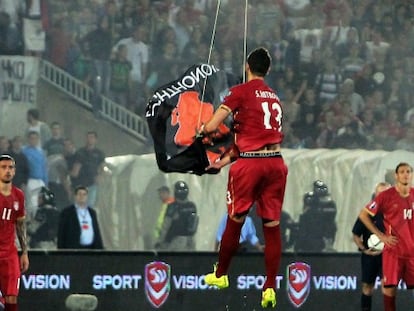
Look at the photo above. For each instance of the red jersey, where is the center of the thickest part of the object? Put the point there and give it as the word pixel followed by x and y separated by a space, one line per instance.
pixel 398 215
pixel 257 115
pixel 11 208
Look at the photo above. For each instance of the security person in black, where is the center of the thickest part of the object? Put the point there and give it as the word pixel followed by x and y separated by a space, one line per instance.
pixel 289 231
pixel 180 222
pixel 317 226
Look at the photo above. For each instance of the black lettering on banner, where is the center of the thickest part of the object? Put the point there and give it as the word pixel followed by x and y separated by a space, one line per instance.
pixel 18 92
pixel 15 70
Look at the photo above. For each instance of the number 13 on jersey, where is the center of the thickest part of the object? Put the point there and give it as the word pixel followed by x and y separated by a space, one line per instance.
pixel 270 109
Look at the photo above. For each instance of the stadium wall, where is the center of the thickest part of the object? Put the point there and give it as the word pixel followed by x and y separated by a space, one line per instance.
pixel 128 203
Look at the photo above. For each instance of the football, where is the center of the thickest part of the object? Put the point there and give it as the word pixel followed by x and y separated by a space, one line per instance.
pixel 375 243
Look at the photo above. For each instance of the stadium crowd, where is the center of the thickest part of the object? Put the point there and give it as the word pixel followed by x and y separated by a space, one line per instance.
pixel 344 69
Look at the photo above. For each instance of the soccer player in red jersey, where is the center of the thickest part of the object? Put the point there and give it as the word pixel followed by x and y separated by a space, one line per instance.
pixel 12 222
pixel 258 173
pixel 396 204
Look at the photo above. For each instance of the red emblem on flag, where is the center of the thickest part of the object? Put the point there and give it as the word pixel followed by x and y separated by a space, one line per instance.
pixel 298 286
pixel 157 282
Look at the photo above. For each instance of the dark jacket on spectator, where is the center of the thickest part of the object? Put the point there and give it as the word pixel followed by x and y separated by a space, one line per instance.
pixel 69 230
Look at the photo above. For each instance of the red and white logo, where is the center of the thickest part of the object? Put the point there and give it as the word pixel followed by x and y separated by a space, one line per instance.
pixel 157 282
pixel 299 276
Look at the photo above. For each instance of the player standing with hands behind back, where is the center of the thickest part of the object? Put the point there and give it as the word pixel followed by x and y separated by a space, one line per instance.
pixel 259 173
pixel 12 222
pixel 397 207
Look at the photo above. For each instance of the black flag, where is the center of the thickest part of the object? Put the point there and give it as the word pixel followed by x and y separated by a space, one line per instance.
pixel 175 112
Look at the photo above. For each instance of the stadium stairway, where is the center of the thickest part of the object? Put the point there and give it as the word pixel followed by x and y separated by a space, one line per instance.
pixel 63 98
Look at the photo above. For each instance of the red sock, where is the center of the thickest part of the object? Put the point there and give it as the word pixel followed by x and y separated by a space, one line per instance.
pixel 10 307
pixel 228 246
pixel 389 303
pixel 273 252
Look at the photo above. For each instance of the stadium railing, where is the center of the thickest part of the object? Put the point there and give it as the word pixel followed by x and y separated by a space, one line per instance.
pixel 83 94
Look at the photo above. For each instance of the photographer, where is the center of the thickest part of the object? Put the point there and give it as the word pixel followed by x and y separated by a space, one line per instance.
pixel 43 227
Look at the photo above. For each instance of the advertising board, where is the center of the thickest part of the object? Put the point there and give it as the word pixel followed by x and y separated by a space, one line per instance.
pixel 175 281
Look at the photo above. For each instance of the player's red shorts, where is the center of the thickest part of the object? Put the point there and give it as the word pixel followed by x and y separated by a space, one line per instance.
pixel 10 275
pixel 261 180
pixel 395 268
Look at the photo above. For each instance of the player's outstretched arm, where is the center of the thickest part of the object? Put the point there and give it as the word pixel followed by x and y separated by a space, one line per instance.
pixel 220 163
pixel 228 157
pixel 218 117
